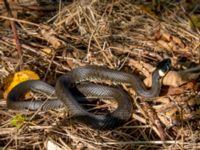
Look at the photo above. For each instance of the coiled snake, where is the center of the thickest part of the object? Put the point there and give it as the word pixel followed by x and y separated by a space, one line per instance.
pixel 68 99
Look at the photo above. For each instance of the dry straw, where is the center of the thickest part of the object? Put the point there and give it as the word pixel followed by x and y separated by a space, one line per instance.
pixel 118 34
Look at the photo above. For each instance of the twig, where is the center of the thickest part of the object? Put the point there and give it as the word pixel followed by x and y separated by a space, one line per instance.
pixel 154 119
pixel 18 45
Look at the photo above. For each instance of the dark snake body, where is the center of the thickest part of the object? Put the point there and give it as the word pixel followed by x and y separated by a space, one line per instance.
pixel 72 78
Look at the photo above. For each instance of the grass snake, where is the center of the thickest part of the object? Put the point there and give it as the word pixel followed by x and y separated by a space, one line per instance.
pixel 76 78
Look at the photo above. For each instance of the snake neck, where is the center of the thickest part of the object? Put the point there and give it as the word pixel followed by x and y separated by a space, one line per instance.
pixel 99 73
pixel 155 87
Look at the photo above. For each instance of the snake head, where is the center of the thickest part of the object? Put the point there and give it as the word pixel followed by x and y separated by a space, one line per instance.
pixel 163 67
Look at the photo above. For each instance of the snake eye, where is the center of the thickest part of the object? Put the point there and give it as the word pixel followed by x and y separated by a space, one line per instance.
pixel 163 66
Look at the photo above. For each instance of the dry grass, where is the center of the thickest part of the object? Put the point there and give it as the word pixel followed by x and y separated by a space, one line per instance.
pixel 118 34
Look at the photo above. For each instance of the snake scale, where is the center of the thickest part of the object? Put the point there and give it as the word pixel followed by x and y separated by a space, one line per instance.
pixel 76 78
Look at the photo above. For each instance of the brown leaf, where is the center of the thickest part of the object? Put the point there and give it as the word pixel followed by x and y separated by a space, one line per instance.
pixel 49 36
pixel 181 89
pixel 164 44
pixel 172 78
pixel 46 51
pixel 145 68
pixel 165 36
pixel 177 41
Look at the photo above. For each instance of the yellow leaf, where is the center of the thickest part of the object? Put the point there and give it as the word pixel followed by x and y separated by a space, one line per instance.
pixel 17 78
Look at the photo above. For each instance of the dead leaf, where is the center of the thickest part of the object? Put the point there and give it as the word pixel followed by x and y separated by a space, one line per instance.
pixel 172 78
pixel 49 36
pixel 164 44
pixel 13 80
pixel 51 145
pixel 145 68
pixel 46 51
pixel 181 89
pixel 165 36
